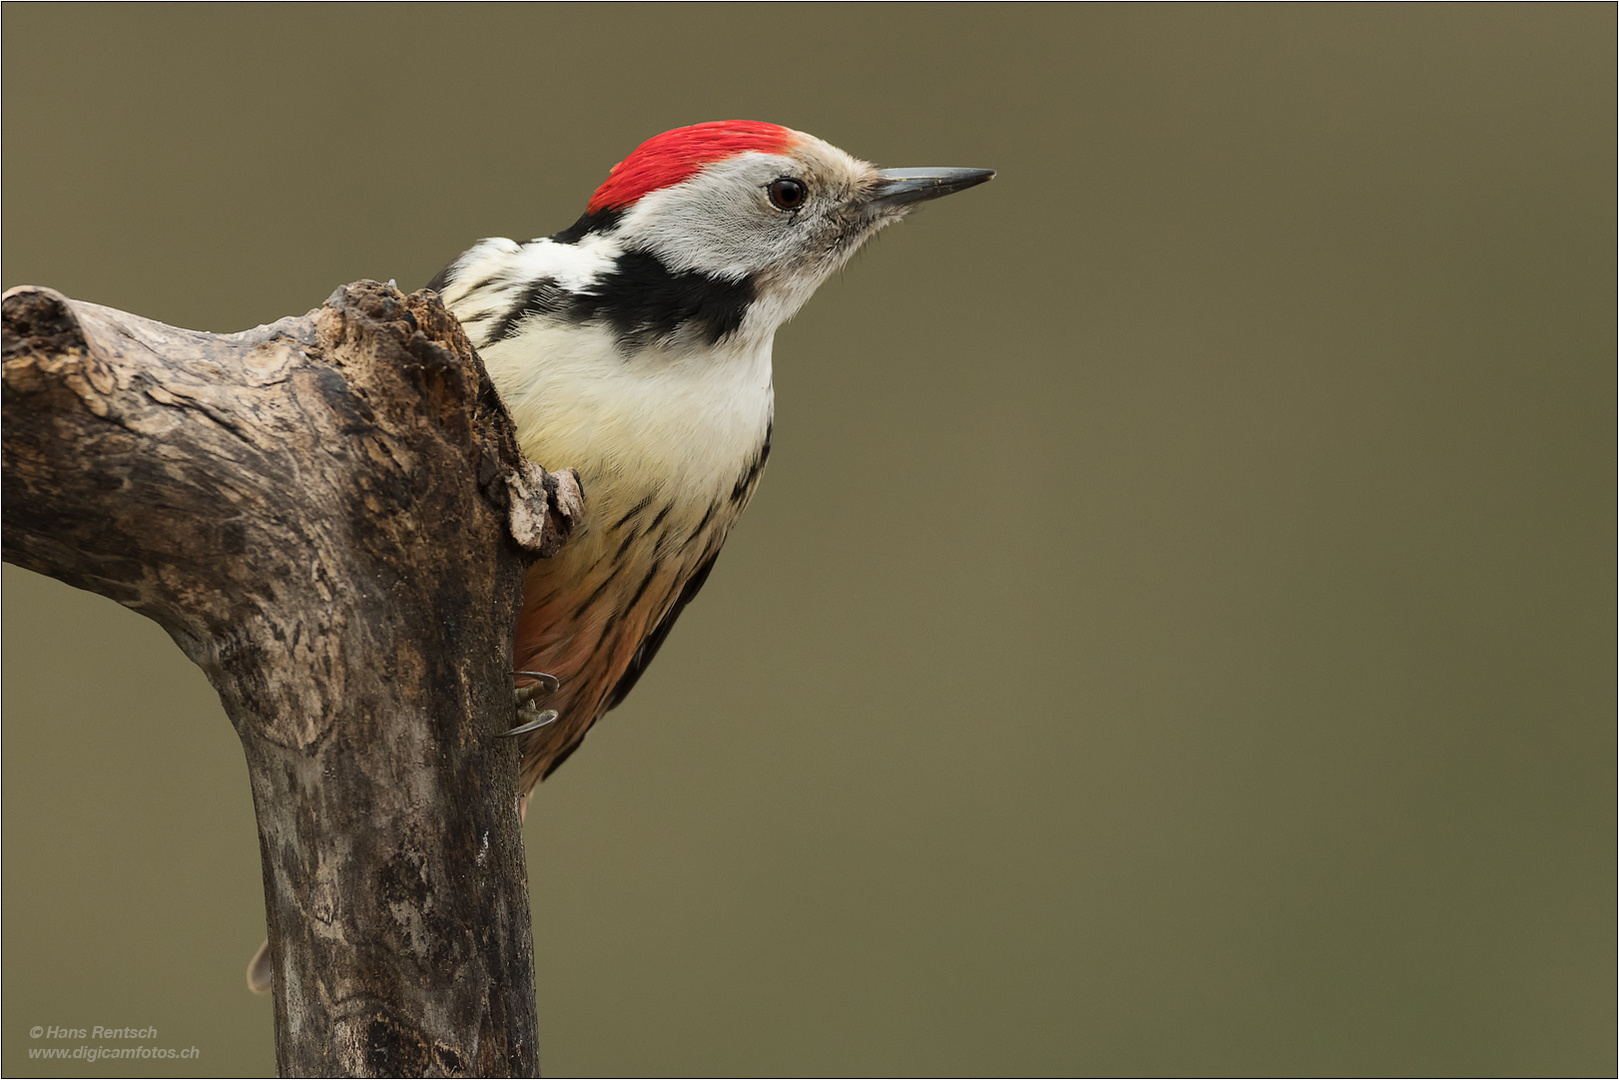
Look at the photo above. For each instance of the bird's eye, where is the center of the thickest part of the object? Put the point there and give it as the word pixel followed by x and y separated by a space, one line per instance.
pixel 787 193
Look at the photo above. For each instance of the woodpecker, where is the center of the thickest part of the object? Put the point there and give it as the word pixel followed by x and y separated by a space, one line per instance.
pixel 635 347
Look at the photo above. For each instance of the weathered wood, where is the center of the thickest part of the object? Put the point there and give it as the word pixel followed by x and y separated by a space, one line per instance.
pixel 331 517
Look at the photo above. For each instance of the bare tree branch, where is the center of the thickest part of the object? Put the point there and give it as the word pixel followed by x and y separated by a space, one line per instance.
pixel 331 517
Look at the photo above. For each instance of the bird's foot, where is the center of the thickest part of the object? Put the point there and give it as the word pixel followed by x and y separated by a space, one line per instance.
pixel 530 716
pixel 543 685
pixel 532 719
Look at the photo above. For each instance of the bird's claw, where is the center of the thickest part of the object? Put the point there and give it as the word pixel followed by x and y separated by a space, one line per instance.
pixel 533 718
pixel 543 686
pixel 540 719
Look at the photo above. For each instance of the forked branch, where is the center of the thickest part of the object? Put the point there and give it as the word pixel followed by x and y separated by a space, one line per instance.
pixel 331 517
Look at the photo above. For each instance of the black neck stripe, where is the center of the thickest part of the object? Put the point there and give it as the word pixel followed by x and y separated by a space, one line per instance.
pixel 600 221
pixel 641 300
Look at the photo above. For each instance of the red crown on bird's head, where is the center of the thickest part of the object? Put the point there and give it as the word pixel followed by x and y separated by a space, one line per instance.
pixel 680 154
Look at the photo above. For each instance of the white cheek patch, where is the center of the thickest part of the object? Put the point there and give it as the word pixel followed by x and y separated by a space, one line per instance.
pixel 717 222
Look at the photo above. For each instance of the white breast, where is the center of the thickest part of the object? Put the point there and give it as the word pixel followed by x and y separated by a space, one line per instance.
pixel 675 425
pixel 681 425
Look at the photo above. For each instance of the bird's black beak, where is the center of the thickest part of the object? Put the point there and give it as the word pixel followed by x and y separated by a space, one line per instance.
pixel 901 187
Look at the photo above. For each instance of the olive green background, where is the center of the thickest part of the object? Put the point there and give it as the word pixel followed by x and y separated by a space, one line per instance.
pixel 1175 633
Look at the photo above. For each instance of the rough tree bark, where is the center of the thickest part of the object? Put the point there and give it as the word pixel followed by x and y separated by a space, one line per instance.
pixel 331 517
